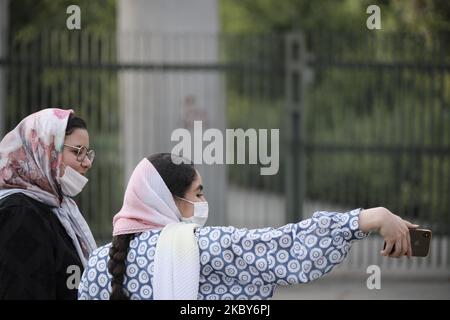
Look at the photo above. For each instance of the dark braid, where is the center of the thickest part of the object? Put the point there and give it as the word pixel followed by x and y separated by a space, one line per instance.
pixel 117 265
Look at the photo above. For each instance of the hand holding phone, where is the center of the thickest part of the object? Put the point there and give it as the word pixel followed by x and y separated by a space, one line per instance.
pixel 420 242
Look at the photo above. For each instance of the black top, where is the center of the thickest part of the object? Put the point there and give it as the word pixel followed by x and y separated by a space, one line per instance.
pixel 37 257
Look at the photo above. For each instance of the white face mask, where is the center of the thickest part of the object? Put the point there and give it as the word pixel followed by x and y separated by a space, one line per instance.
pixel 200 213
pixel 72 182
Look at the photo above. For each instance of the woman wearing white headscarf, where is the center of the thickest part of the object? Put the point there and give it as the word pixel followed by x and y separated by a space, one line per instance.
pixel 161 250
pixel 44 239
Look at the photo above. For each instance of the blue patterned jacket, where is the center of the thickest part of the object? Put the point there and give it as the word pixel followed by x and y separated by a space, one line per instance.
pixel 237 263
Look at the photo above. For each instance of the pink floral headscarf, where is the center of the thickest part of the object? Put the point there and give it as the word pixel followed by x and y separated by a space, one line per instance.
pixel 30 158
pixel 31 154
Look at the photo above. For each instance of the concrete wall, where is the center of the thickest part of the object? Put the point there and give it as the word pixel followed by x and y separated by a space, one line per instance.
pixel 155 103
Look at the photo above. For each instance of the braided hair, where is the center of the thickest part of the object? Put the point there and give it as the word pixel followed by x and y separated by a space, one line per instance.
pixel 178 179
pixel 117 266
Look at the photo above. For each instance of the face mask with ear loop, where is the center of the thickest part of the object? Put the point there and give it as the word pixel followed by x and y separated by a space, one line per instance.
pixel 200 213
pixel 72 182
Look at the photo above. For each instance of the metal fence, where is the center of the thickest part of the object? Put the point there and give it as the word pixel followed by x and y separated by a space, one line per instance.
pixel 364 119
pixel 69 70
pixel 371 127
pixel 377 124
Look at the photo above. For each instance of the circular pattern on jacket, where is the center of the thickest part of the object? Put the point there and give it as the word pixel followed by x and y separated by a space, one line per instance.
pixel 231 270
pixel 282 256
pixel 206 288
pixel 280 271
pixel 285 241
pixel 214 235
pixel 315 254
pixel 103 280
pixel 92 273
pixel 205 257
pixel 225 241
pixel 249 257
pixel 143 277
pixel 101 265
pixel 215 248
pixel 133 285
pixel 335 256
pixel 261 264
pixel 132 270
pixel 103 252
pixel 93 290
pixel 146 292
pixel 244 277
pixel 217 263
pixel 228 256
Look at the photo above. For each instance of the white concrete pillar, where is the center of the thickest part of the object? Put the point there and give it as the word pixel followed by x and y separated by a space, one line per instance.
pixel 155 103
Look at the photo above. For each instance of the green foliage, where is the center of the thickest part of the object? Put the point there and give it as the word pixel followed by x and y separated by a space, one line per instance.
pixel 272 16
pixel 384 123
pixel 29 18
pixel 269 16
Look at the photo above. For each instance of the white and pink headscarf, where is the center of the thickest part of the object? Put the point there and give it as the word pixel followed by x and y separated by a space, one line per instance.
pixel 30 158
pixel 148 204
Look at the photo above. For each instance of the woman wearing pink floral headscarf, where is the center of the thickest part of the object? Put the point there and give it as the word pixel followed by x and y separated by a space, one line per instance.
pixel 44 239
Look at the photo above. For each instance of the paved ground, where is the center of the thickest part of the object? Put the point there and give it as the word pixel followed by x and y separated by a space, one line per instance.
pixel 354 287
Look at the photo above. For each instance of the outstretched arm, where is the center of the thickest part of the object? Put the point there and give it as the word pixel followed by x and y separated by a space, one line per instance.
pixel 297 252
pixel 294 253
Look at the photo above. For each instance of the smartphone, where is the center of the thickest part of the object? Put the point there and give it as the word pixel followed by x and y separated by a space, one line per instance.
pixel 420 242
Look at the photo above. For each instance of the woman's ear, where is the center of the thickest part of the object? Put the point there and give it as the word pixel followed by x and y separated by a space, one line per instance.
pixel 178 203
pixel 186 210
